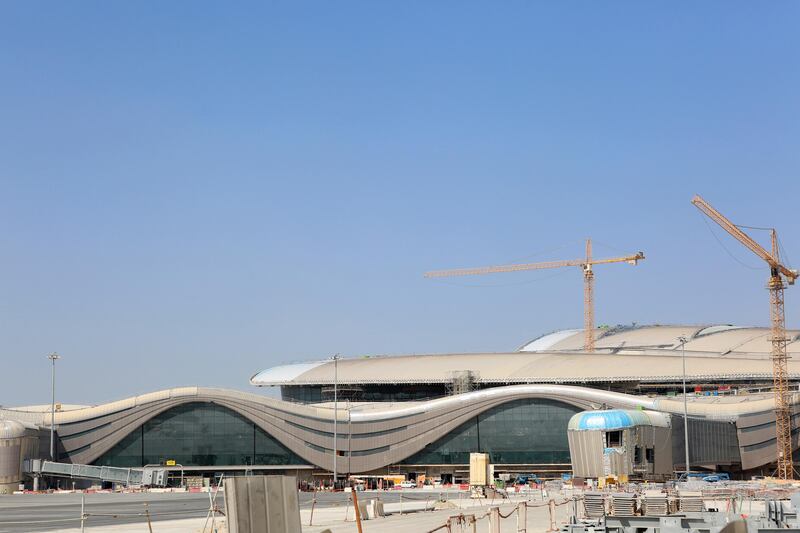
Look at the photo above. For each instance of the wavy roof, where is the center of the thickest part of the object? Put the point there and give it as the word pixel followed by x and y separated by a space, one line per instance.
pixel 387 432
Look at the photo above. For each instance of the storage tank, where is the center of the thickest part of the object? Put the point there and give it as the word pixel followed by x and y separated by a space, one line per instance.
pixel 17 442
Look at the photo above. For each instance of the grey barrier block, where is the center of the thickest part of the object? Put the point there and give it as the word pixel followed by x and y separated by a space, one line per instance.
pixel 263 504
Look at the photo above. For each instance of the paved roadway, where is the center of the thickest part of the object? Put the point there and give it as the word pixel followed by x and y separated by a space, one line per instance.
pixel 47 512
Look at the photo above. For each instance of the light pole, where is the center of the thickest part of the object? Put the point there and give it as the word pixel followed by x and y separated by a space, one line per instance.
pixel 349 437
pixel 53 358
pixel 335 412
pixel 683 341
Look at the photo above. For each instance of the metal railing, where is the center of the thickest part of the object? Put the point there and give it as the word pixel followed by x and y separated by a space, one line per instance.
pixel 85 517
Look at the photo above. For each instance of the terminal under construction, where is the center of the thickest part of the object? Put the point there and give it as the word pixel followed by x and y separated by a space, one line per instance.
pixel 548 408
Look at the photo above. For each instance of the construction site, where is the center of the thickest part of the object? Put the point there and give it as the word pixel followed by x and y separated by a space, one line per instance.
pixel 626 428
pixel 399 267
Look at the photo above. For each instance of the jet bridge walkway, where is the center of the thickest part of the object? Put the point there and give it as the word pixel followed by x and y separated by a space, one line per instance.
pixel 154 477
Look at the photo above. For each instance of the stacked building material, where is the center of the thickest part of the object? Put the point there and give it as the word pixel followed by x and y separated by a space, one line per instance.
pixel 594 503
pixel 654 503
pixel 691 501
pixel 623 504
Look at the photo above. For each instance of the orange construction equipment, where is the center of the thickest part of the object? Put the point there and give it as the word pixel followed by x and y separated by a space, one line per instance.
pixel 778 272
pixel 588 280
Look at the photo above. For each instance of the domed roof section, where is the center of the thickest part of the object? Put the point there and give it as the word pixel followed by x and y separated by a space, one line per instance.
pixel 613 419
pixel 10 429
pixel 721 339
pixel 284 373
pixel 548 341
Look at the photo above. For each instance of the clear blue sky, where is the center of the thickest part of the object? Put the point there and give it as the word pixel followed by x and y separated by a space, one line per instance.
pixel 192 191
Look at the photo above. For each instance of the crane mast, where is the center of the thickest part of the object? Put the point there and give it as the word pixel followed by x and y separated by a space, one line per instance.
pixel 780 357
pixel 588 299
pixel 588 280
pixel 776 286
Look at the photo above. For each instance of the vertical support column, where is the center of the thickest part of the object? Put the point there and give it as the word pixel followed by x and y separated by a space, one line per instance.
pixel 53 358
pixel 83 511
pixel 522 518
pixel 335 413
pixel 494 520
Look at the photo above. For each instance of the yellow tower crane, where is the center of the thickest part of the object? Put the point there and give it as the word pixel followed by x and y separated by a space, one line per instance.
pixel 588 280
pixel 778 272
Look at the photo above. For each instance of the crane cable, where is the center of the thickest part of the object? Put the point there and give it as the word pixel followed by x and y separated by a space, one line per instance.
pixel 781 249
pixel 705 221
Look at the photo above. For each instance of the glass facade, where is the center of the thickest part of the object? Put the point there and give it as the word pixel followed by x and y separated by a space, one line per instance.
pixel 303 394
pixel 363 393
pixel 530 431
pixel 199 434
pixel 387 392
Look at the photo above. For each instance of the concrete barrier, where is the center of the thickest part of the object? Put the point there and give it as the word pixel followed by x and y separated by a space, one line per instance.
pixel 262 504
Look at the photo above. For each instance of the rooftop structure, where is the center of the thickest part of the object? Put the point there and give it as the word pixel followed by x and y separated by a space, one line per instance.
pixel 642 359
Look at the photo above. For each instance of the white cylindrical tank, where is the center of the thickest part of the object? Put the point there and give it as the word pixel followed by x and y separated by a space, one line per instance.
pixel 12 444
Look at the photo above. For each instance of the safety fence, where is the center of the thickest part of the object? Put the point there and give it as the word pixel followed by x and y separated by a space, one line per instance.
pixel 429 504
pixel 400 503
pixel 466 523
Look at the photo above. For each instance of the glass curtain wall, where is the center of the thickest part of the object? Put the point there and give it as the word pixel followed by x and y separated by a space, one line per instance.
pixel 199 434
pixel 530 431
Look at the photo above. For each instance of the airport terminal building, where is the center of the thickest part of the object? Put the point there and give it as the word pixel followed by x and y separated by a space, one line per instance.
pixel 534 410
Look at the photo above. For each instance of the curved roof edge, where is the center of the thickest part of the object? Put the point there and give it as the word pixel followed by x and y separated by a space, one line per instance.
pixel 545 342
pixel 371 412
pixel 279 375
pixel 710 330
